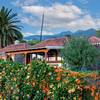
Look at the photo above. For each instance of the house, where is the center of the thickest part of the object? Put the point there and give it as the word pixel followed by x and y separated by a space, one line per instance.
pixel 48 50
pixel 94 40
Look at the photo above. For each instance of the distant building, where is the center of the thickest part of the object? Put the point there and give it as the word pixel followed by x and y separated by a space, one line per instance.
pixel 48 50
pixel 94 40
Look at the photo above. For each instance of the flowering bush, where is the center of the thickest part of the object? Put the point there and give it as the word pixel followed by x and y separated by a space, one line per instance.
pixel 39 81
pixel 12 77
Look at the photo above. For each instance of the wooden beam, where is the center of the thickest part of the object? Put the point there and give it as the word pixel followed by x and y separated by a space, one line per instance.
pixel 29 51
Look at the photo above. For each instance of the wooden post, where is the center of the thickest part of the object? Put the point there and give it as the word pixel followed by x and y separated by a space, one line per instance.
pixel 36 55
pixel 13 57
pixel 46 55
pixel 56 56
pixel 30 57
pixel 25 58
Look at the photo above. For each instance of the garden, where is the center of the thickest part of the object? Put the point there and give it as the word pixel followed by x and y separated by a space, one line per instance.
pixel 39 81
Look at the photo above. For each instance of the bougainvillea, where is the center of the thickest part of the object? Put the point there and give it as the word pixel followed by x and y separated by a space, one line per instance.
pixel 39 81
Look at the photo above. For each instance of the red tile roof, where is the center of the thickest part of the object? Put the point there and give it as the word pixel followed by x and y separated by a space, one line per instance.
pixel 94 39
pixel 43 44
pixel 51 42
pixel 15 47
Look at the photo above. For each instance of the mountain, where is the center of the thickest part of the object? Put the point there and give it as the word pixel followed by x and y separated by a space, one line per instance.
pixel 85 33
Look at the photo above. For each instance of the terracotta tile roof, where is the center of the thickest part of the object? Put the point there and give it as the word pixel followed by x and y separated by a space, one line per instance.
pixel 43 44
pixel 94 40
pixel 51 42
pixel 15 47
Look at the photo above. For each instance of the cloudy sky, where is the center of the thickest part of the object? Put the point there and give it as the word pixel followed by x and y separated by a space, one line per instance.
pixel 59 15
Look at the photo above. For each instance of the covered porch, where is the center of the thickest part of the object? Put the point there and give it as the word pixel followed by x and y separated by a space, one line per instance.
pixel 47 50
pixel 51 56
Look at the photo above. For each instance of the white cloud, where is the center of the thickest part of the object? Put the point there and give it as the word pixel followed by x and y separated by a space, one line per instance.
pixel 44 33
pixel 59 16
pixel 85 22
pixel 54 11
pixel 25 34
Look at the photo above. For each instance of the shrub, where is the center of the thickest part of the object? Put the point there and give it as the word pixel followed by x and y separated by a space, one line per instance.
pixel 12 77
pixel 39 81
pixel 80 53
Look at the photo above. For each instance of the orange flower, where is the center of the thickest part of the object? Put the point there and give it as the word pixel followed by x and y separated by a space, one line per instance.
pixel 58 70
pixel 58 78
pixel 45 90
pixel 94 76
pixel 97 96
pixel 92 93
pixel 73 74
pixel 45 98
pixel 87 87
pixel 33 83
pixel 93 87
pixel 92 90
pixel 14 78
pixel 77 81
pixel 80 97
pixel 65 81
pixel 0 96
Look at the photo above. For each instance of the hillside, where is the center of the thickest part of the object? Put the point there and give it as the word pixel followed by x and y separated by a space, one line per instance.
pixel 86 33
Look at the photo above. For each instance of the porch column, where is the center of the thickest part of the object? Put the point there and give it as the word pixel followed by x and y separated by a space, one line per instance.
pixel 56 56
pixel 36 55
pixel 13 57
pixel 46 55
pixel 25 58
pixel 29 58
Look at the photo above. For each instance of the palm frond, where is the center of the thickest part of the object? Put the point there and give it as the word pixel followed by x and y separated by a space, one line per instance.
pixel 8 26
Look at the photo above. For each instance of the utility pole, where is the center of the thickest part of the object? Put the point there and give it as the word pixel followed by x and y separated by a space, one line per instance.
pixel 42 27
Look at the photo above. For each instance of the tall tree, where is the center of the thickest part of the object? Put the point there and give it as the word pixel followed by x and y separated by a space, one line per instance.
pixel 80 53
pixel 9 30
pixel 98 33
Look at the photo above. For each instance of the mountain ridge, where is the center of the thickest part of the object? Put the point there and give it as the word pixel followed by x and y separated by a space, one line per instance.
pixel 86 33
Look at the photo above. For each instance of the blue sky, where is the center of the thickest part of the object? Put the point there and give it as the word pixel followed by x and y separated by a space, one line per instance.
pixel 60 15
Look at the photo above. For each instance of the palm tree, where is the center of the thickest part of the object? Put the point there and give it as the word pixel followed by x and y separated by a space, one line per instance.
pixel 9 30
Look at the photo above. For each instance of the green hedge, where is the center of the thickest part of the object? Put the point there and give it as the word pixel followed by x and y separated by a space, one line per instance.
pixel 39 81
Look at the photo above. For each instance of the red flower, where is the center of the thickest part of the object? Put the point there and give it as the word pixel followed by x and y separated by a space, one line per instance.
pixel 78 81
pixel 57 70
pixel 45 90
pixel 58 78
pixel 93 90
